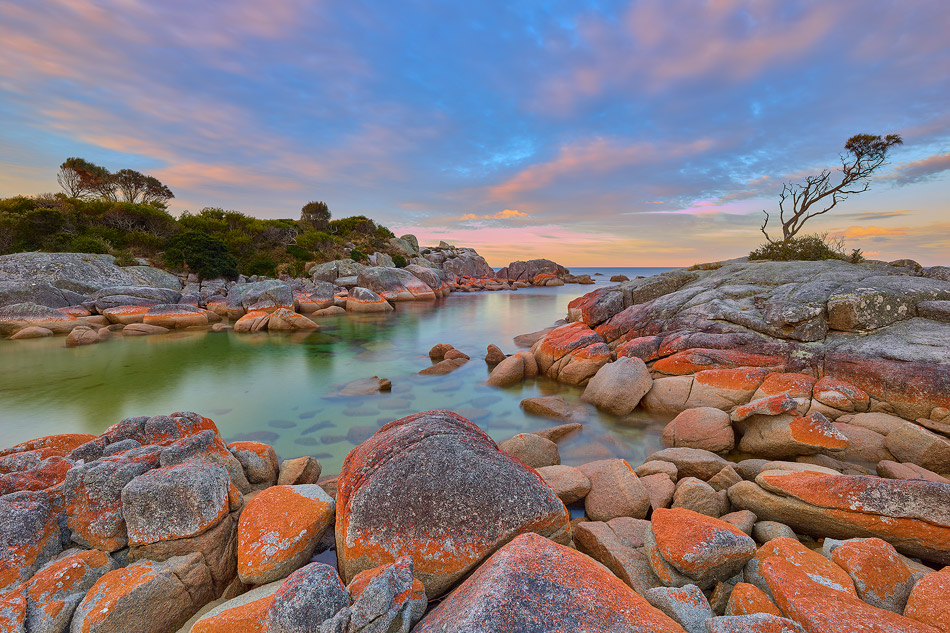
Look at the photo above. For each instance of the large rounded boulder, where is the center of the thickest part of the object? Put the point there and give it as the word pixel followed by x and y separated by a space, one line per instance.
pixel 435 487
pixel 533 584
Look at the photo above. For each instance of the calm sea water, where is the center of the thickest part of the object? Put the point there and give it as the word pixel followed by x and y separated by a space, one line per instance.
pixel 276 388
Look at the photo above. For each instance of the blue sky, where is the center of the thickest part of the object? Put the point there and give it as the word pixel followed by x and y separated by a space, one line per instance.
pixel 624 133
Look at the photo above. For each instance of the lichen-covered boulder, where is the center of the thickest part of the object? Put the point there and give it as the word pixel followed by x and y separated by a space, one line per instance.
pixel 147 597
pixel 54 592
pixel 685 547
pixel 818 608
pixel 880 575
pixel 175 502
pixel 686 605
pixel 753 623
pixel 534 584
pixel 17 316
pixel 395 284
pixel 258 460
pixel 911 515
pixel 93 494
pixel 246 613
pixel 309 596
pixel 285 320
pixel 789 435
pixel 705 428
pixel 387 598
pixel 929 602
pixel 30 534
pixel 816 566
pixel 315 296
pixel 571 354
pixel 265 295
pixel 615 491
pixel 175 316
pixel 279 530
pixel 746 599
pixel 434 487
pixel 365 300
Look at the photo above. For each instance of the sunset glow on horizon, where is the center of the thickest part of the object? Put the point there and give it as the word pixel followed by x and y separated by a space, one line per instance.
pixel 616 133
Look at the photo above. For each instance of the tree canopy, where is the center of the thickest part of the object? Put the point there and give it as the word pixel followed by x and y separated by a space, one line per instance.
pixel 81 179
pixel 315 215
pixel 206 256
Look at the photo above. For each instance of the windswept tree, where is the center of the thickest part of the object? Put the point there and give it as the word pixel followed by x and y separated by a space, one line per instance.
pixel 81 179
pixel 137 187
pixel 156 193
pixel 819 194
pixel 315 215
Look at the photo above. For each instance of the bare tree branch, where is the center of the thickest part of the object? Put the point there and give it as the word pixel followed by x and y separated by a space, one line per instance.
pixel 865 153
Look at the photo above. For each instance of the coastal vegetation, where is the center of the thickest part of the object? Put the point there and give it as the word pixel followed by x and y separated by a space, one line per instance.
pixel 124 214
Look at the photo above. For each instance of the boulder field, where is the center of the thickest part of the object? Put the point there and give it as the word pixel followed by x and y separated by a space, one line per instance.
pixel 158 526
pixel 91 299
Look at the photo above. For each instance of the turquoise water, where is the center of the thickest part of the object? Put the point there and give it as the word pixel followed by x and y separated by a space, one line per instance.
pixel 274 388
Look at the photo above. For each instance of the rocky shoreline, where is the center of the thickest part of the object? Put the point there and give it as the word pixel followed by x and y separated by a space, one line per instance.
pixel 90 299
pixel 804 485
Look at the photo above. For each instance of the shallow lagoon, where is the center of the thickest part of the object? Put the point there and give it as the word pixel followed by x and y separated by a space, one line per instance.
pixel 275 388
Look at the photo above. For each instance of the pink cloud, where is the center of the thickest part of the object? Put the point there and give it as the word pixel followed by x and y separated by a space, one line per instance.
pixel 660 42
pixel 596 155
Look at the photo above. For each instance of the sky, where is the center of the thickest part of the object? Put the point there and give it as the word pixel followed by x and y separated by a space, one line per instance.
pixel 597 133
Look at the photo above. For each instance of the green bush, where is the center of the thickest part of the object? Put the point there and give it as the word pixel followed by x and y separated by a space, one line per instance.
pixel 89 244
pixel 261 265
pixel 125 258
pixel 298 253
pixel 807 248
pixel 357 255
pixel 204 255
pixel 400 261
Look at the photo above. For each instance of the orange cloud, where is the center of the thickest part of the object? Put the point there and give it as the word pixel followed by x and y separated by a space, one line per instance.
pixel 872 231
pixel 501 215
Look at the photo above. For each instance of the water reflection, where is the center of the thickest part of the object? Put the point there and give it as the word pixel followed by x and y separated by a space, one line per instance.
pixel 275 388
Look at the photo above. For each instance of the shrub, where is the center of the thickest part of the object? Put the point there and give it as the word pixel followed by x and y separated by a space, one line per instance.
pixel 357 255
pixel 125 258
pixel 354 224
pixel 89 244
pixel 807 248
pixel 262 265
pixel 204 255
pixel 400 261
pixel 298 253
pixel 312 240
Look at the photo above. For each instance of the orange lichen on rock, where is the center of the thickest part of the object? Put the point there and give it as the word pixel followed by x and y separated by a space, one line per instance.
pixel 396 487
pixel 747 599
pixel 49 587
pixel 61 445
pixel 840 395
pixel 815 566
pixel 880 575
pixel 109 590
pixel 279 530
pixel 695 360
pixel 794 385
pixel 819 609
pixel 917 499
pixel 929 602
pixel 738 379
pixel 534 584
pixel 362 580
pixel 817 432
pixel 48 473
pixel 692 542
pixel 250 617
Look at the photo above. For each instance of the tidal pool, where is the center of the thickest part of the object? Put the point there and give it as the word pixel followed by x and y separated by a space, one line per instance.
pixel 275 388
